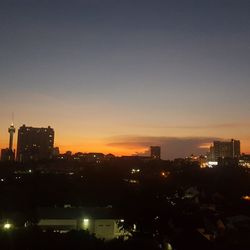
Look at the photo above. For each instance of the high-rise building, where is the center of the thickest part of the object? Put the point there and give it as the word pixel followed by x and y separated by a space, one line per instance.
pixel 35 144
pixel 225 149
pixel 155 152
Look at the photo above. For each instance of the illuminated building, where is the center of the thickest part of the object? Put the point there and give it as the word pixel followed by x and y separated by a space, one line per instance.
pixel 244 161
pixel 225 149
pixel 201 160
pixel 155 152
pixel 101 222
pixel 35 144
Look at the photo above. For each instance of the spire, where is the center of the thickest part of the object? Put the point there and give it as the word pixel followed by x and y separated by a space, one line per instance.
pixel 12 119
pixel 11 131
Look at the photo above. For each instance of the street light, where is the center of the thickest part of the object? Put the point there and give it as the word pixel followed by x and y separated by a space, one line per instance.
pixel 7 226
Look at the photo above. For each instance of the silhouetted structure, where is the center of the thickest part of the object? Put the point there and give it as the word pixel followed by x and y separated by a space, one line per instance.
pixel 244 160
pixel 11 131
pixel 155 152
pixel 56 152
pixel 8 154
pixel 225 149
pixel 35 144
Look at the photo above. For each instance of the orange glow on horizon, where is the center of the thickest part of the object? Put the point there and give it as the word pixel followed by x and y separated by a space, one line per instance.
pixel 103 148
pixel 70 141
pixel 117 151
pixel 205 145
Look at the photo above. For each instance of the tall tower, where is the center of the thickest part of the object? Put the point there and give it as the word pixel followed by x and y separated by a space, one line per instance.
pixel 8 154
pixel 12 131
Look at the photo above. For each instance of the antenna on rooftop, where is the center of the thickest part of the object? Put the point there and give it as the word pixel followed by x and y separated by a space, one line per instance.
pixel 12 118
pixel 11 131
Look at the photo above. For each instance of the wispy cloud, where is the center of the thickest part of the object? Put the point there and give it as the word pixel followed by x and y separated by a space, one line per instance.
pixel 201 126
pixel 213 126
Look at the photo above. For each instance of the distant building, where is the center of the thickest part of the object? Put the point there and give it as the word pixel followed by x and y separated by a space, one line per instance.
pixel 95 157
pixel 8 154
pixel 228 162
pixel 101 222
pixel 244 161
pixel 35 144
pixel 201 160
pixel 155 152
pixel 56 152
pixel 225 149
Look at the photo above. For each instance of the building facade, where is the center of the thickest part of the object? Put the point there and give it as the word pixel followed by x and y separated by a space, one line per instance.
pixel 225 149
pixel 98 221
pixel 155 152
pixel 34 144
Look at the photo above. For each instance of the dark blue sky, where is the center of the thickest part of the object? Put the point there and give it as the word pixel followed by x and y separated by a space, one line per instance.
pixel 126 67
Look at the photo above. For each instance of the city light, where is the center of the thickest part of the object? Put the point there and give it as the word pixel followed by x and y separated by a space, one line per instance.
pixel 132 127
pixel 246 198
pixel 211 164
pixel 133 171
pixel 85 223
pixel 7 226
pixel 164 174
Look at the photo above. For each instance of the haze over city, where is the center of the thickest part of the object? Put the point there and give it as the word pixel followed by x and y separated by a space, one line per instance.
pixel 118 76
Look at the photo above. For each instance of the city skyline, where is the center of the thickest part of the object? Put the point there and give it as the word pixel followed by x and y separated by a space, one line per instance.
pixel 115 76
pixel 172 147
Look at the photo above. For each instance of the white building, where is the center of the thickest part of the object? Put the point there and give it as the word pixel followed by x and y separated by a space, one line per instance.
pixel 98 221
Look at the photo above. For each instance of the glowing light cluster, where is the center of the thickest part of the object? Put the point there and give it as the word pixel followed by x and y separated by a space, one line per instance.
pixel 134 171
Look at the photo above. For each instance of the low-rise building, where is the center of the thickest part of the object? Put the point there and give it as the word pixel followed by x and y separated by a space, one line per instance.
pixel 101 222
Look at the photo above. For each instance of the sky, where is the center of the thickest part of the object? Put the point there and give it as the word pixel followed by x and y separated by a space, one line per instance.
pixel 117 76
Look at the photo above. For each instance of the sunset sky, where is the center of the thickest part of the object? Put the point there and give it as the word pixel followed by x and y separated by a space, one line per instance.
pixel 117 76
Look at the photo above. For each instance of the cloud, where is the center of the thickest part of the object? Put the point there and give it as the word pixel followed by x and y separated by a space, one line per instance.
pixel 171 147
pixel 214 126
pixel 204 127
